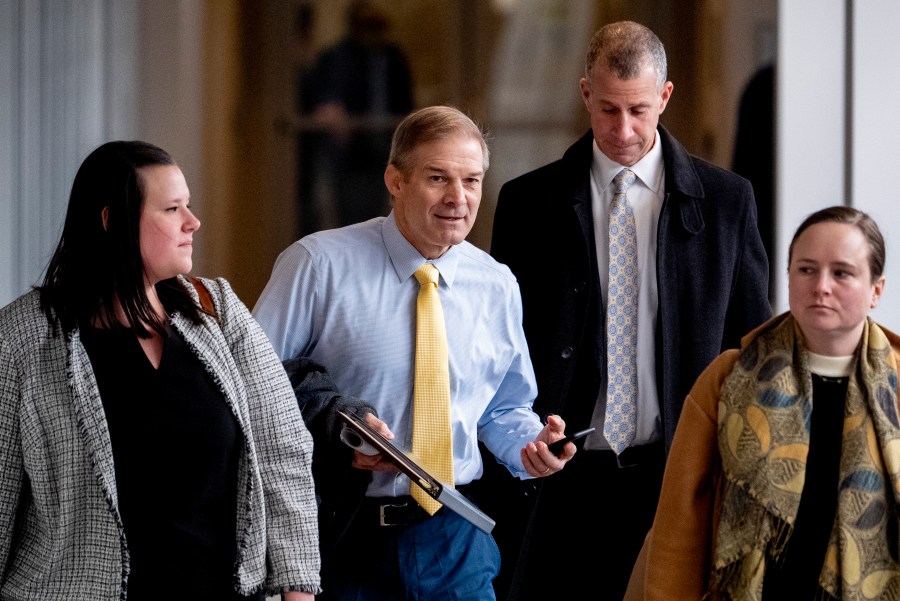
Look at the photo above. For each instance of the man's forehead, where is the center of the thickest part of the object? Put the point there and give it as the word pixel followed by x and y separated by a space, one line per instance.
pixel 444 153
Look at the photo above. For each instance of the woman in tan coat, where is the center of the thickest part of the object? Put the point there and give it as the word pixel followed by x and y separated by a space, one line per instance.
pixel 784 475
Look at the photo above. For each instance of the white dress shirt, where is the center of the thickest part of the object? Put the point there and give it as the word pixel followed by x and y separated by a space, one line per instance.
pixel 645 197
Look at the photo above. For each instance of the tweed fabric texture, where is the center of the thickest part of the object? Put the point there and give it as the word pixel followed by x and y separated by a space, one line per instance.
pixel 57 464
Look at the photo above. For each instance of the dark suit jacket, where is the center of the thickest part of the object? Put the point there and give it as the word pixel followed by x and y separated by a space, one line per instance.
pixel 712 275
pixel 340 488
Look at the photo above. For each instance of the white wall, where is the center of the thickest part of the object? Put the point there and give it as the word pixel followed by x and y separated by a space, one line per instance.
pixel 809 100
pixel 875 154
pixel 837 124
pixel 9 126
pixel 53 61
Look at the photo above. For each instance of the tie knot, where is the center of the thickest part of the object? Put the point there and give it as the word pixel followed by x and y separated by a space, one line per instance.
pixel 427 274
pixel 623 180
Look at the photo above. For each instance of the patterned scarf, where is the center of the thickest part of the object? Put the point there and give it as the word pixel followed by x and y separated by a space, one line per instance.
pixel 763 423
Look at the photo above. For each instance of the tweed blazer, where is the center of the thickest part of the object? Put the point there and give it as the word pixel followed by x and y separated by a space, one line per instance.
pixel 61 534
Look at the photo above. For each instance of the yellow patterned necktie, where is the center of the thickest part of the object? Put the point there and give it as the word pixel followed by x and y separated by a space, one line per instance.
pixel 431 442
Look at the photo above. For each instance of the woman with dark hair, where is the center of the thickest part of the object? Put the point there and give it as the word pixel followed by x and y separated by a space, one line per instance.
pixel 151 446
pixel 783 480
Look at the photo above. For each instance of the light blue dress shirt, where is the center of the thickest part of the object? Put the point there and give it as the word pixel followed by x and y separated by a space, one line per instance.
pixel 347 299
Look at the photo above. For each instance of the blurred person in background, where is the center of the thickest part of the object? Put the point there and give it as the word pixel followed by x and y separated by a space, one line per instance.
pixel 360 89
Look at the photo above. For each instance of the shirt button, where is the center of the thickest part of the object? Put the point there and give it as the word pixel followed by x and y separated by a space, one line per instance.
pixel 566 352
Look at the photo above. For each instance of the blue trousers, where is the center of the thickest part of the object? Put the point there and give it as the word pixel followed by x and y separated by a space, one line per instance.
pixel 444 558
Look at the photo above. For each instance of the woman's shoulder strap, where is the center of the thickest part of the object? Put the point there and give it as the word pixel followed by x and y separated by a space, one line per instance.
pixel 206 301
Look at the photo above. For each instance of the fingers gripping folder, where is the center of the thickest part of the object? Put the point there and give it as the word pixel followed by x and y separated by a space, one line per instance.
pixel 359 435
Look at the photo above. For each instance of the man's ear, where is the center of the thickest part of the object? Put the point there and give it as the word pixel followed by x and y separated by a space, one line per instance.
pixel 392 178
pixel 104 215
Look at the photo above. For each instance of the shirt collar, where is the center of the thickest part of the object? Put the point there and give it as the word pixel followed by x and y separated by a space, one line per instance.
pixel 406 259
pixel 648 169
pixel 830 367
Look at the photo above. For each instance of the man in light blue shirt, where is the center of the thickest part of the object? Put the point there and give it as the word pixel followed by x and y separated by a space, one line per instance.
pixel 346 298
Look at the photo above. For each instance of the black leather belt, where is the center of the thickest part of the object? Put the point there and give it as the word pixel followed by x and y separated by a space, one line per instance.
pixel 640 455
pixel 395 511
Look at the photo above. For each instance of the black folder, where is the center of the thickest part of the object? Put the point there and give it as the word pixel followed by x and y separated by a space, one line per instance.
pixel 448 496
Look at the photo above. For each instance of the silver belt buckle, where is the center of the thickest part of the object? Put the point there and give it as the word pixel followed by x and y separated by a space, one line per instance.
pixel 381 521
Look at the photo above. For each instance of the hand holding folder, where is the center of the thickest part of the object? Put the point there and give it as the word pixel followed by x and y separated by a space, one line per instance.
pixel 361 436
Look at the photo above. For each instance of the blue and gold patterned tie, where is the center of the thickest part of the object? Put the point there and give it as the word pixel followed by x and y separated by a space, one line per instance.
pixel 620 425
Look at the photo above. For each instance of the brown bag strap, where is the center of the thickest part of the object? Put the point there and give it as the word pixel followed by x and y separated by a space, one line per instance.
pixel 206 301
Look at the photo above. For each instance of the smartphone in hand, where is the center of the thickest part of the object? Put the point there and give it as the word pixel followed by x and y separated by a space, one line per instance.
pixel 557 447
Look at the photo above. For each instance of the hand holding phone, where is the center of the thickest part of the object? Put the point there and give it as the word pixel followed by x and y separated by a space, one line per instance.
pixel 557 447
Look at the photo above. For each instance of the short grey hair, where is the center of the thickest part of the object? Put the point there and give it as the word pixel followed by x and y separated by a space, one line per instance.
pixel 626 47
pixel 427 125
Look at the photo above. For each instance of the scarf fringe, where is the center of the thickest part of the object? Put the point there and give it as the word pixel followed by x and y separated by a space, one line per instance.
pixel 772 538
pixel 823 595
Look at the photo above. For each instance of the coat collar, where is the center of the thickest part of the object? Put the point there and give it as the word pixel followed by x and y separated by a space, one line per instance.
pixel 91 415
pixel 681 174
pixel 683 188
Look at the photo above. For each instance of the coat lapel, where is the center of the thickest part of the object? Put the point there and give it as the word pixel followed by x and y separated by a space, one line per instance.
pixel 91 416
pixel 683 188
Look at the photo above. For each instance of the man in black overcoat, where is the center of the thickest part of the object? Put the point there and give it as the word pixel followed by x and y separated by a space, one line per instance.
pixel 703 278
